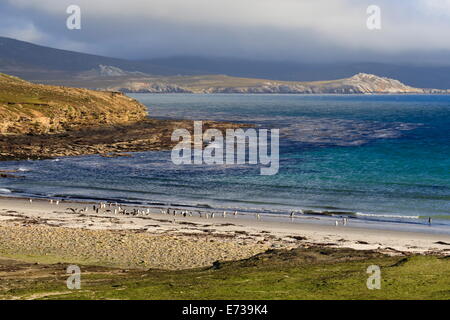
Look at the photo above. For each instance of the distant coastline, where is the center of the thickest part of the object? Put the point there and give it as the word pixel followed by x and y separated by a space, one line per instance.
pixel 114 79
pixel 45 65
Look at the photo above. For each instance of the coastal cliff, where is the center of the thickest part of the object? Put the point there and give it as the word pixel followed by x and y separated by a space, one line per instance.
pixel 113 78
pixel 40 122
pixel 361 83
pixel 27 108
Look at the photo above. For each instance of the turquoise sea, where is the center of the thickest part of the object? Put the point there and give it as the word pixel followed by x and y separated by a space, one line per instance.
pixel 373 157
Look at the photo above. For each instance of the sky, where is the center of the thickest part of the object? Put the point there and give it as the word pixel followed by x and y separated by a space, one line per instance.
pixel 415 31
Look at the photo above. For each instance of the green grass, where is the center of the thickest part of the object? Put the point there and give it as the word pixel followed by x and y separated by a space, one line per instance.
pixel 300 274
pixel 30 108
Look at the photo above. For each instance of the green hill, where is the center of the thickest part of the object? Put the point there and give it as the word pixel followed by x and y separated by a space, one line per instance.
pixel 27 108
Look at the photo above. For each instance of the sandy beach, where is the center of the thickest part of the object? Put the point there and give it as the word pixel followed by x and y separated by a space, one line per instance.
pixel 155 240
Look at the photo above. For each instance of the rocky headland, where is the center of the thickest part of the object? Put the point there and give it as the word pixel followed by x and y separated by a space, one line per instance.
pixel 40 121
pixel 361 83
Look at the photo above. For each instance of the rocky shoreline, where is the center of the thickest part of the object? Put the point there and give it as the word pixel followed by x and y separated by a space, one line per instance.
pixel 109 141
pixel 41 122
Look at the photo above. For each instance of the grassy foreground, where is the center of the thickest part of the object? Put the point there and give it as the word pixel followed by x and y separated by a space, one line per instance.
pixel 314 273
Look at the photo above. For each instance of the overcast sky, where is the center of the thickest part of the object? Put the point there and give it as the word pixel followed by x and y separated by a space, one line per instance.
pixel 299 30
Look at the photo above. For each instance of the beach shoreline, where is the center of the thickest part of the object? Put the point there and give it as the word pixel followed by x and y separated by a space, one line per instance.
pixel 167 241
pixel 327 217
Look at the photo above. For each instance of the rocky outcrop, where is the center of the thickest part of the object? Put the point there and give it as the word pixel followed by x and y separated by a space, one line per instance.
pixel 108 71
pixel 360 83
pixel 112 78
pixel 267 87
pixel 369 83
pixel 115 79
pixel 40 121
pixel 27 108
pixel 109 141
pixel 149 87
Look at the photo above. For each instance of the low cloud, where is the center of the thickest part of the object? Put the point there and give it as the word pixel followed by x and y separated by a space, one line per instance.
pixel 275 29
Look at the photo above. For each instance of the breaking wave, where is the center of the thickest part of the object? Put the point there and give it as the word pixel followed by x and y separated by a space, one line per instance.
pixel 389 216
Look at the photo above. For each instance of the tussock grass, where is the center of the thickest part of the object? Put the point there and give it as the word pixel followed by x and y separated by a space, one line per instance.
pixel 314 273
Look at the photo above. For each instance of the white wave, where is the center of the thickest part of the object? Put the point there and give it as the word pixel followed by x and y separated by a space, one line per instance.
pixel 4 190
pixel 23 169
pixel 395 216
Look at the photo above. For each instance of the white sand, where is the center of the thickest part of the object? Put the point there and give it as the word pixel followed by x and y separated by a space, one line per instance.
pixel 246 231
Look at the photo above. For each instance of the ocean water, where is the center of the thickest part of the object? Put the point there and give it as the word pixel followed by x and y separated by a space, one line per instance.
pixel 383 157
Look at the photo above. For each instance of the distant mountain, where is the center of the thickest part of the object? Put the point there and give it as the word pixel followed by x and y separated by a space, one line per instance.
pixel 360 83
pixel 39 63
pixel 109 71
pixel 34 62
pixel 414 75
